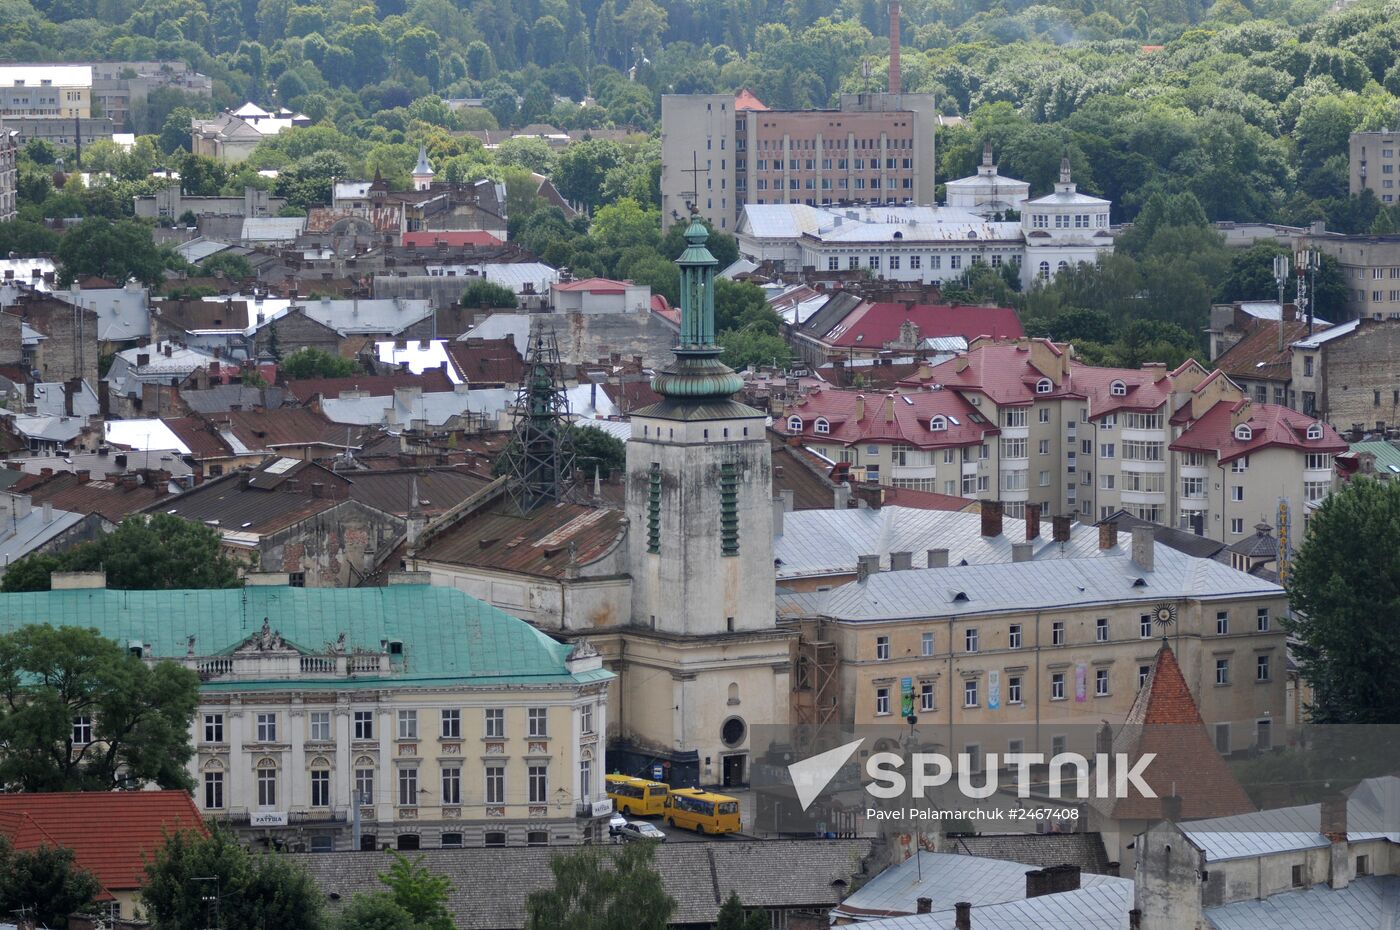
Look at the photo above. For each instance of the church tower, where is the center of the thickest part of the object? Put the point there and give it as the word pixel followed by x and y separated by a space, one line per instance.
pixel 423 171
pixel 700 539
pixel 700 482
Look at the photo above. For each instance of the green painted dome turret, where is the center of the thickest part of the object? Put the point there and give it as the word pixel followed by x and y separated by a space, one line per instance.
pixel 697 373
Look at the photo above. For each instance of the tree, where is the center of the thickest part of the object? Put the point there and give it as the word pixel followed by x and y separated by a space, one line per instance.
pixel 156 552
pixel 597 450
pixel 753 346
pixel 416 899
pixel 47 879
pixel 374 912
pixel 230 264
pixel 138 715
pixel 488 295
pixel 582 168
pixel 595 891
pixel 255 890
pixel 316 363
pixel 1344 588
pixel 732 916
pixel 115 250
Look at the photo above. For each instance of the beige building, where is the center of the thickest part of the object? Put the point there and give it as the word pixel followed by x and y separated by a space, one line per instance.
pixel 1051 646
pixel 1370 267
pixel 1374 164
pixel 1349 375
pixel 431 718
pixel 46 90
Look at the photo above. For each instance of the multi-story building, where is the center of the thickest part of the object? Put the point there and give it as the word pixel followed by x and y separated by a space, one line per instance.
pixel 232 135
pixel 1374 165
pixel 9 173
pixel 1050 646
pixel 46 90
pixel 419 713
pixel 928 245
pixel 720 152
pixel 1349 375
pixel 1370 267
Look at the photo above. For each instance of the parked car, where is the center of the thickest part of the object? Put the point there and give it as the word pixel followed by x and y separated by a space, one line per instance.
pixel 615 823
pixel 640 830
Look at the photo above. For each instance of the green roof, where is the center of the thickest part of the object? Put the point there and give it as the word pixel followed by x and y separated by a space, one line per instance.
pixel 448 637
pixel 1387 456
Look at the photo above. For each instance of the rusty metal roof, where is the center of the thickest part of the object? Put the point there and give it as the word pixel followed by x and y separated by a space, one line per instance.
pixel 535 544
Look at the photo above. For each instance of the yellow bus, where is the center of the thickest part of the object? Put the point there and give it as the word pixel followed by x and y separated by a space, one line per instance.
pixel 702 811
pixel 637 797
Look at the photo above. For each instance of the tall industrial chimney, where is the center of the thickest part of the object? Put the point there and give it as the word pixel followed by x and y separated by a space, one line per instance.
pixel 894 46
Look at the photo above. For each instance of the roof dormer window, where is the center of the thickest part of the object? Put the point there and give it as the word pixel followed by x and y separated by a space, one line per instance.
pixel 821 426
pixel 1243 433
pixel 937 424
pixel 1315 431
pixel 1044 386
pixel 794 424
pixel 1118 389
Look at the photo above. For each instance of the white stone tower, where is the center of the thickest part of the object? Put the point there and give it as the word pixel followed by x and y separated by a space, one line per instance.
pixel 423 171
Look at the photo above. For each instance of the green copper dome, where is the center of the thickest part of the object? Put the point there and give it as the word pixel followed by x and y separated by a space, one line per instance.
pixel 697 374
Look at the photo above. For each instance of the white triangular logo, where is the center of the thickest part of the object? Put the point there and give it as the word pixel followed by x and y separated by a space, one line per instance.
pixel 813 774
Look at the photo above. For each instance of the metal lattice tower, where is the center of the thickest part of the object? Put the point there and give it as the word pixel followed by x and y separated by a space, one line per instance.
pixel 542 452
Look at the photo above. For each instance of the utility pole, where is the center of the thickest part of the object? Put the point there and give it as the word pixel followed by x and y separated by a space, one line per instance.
pixel 1281 279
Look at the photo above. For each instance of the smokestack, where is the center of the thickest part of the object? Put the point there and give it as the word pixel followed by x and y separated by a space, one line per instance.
pixel 962 915
pixel 1143 541
pixel 991 518
pixel 1108 534
pixel 1032 522
pixel 901 561
pixel 925 905
pixel 1060 527
pixel 894 47
pixel 1022 552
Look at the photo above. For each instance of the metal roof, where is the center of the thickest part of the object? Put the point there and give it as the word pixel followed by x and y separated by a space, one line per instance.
pixel 272 228
pixel 24 528
pixel 1367 903
pixel 1387 455
pixel 123 313
pixel 1327 335
pixel 144 435
pixel 49 399
pixel 514 326
pixel 48 428
pixel 436 408
pixel 419 355
pixel 1097 907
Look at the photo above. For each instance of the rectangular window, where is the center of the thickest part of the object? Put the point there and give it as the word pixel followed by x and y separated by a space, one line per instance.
pixel 1261 668
pixel 1057 633
pixel 408 787
pixel 267 728
pixel 213 791
pixel 585 778
pixel 1057 686
pixel 364 724
pixel 321 725
pixel 1145 626
pixel 452 724
pixel 882 648
pixel 320 788
pixel 1101 682
pixel 1013 636
pixel 1261 617
pixel 1222 622
pixel 408 724
pixel 1013 689
pixel 495 723
pixel 970 640
pixel 1263 734
pixel 916 262
pixel 1106 450
pixel 1222 738
pixel 654 508
pixel 926 696
pixel 364 786
pixel 538 721
pixel 1101 630
pixel 927 644
pixel 1013 448
pixel 452 785
pixel 1237 492
pixel 882 701
pixel 970 693
pixel 1237 525
pixel 728 509
pixel 495 784
pixel 213 728
pixel 1057 745
pixel 267 788
pixel 894 263
pixel 585 719
pixel 1143 672
pixel 1222 671
pixel 1044 447
pixel 955 262
pixel 1193 487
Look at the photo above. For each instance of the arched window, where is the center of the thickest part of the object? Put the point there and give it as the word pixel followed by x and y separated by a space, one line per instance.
pixel 1118 389
pixel 1044 386
pixel 733 692
pixel 794 424
pixel 938 423
pixel 1243 433
pixel 1061 266
pixel 1044 271
pixel 821 426
pixel 1315 431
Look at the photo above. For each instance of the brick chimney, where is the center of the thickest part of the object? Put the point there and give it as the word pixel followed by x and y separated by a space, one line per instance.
pixel 1060 527
pixel 924 905
pixel 1032 521
pixel 991 518
pixel 962 915
pixel 894 47
pixel 870 494
pixel 1108 534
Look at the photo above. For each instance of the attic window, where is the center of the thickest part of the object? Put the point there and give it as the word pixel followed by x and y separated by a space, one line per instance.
pixel 1140 583
pixel 960 597
pixel 794 424
pixel 1043 386
pixel 935 424
pixel 395 647
pixel 1118 389
pixel 1315 431
pixel 1243 433
pixel 821 426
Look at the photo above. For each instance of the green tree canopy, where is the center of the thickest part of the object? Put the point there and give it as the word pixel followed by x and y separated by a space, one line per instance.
pixel 485 294
pixel 231 265
pixel 594 448
pixel 139 715
pixel 316 363
pixel 733 917
pixel 594 890
pixel 115 250
pixel 46 883
pixel 1344 587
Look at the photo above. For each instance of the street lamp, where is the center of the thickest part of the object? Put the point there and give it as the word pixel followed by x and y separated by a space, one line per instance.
pixel 210 900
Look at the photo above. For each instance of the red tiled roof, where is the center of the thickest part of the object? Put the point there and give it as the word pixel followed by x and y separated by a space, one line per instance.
pixel 199 437
pixel 432 380
pixel 1165 720
pixel 594 286
pixel 1270 425
pixel 926 500
pixel 872 326
pixel 487 361
pixel 111 833
pixel 745 100
pixel 856 417
pixel 662 308
pixel 1145 388
pixel 455 238
pixel 1003 372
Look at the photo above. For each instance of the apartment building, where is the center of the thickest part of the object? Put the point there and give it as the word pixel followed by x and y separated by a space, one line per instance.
pixel 46 90
pixel 9 173
pixel 1349 375
pixel 444 721
pixel 1049 647
pixel 1374 165
pixel 1370 267
pixel 721 151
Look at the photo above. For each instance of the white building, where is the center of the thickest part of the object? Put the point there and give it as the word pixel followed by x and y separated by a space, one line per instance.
pixel 987 193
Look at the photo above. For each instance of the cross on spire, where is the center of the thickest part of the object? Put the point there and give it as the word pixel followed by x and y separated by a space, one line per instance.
pixel 694 172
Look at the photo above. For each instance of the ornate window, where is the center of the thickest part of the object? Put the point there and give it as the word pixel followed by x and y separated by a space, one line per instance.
pixel 1044 386
pixel 821 426
pixel 1118 389
pixel 1243 433
pixel 1315 431
pixel 937 424
pixel 794 424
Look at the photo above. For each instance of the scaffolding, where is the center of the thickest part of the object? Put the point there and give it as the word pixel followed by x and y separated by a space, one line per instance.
pixel 816 688
pixel 540 458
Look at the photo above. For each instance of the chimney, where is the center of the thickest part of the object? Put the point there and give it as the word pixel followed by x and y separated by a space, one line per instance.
pixel 860 407
pixel 1171 808
pixel 143 359
pixel 1114 869
pixel 1061 878
pixel 1032 521
pixel 1334 818
pixel 925 906
pixel 48 512
pixel 962 915
pixel 841 496
pixel 84 475
pixel 894 47
pixel 901 561
pixel 991 518
pixel 1142 547
pixel 1060 527
pixel 1037 883
pixel 318 489
pixel 777 517
pixel 938 558
pixel 866 565
pixel 870 495
pixel 1108 534
pixel 1135 919
pixel 1022 551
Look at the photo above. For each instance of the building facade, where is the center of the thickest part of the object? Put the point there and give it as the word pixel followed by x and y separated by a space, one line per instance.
pixel 46 90
pixel 1370 267
pixel 720 152
pixel 9 173
pixel 1348 374
pixel 1373 164
pixel 443 721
